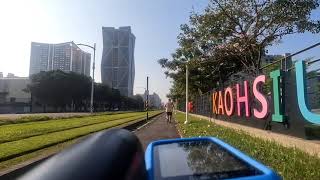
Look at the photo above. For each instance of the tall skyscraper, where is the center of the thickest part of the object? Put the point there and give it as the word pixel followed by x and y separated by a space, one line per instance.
pixel 63 56
pixel 117 64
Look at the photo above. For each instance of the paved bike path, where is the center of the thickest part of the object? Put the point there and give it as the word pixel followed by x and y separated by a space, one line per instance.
pixel 157 129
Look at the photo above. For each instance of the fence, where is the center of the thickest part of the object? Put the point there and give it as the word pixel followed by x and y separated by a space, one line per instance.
pixel 294 122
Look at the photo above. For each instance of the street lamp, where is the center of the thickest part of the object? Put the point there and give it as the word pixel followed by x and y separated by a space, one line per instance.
pixel 187 87
pixel 187 92
pixel 93 67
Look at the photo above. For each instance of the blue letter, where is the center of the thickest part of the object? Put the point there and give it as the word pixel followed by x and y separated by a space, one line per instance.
pixel 302 94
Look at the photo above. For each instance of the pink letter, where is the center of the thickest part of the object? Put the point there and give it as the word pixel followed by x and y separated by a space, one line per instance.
pixel 228 92
pixel 264 109
pixel 243 99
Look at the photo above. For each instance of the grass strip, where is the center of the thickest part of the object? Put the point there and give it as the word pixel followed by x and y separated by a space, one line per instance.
pixel 16 148
pixel 15 132
pixel 5 165
pixel 290 163
pixel 23 119
pixel 33 118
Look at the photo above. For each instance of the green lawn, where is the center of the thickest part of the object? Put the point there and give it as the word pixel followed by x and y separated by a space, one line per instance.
pixel 14 132
pixel 5 165
pixel 290 163
pixel 13 149
pixel 35 117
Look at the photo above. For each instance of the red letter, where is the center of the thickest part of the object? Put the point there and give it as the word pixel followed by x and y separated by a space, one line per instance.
pixel 228 92
pixel 220 105
pixel 264 109
pixel 243 99
pixel 214 101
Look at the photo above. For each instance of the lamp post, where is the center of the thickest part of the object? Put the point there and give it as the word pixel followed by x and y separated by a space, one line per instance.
pixel 93 67
pixel 147 97
pixel 187 93
pixel 187 87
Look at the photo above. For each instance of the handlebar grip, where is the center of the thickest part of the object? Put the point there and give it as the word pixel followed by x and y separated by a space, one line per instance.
pixel 111 154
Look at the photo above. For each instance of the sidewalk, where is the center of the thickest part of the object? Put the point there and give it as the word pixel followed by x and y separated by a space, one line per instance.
pixel 157 129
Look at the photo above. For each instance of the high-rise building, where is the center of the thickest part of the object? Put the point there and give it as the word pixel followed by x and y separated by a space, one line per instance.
pixel 154 100
pixel 117 64
pixel 63 56
pixel 11 75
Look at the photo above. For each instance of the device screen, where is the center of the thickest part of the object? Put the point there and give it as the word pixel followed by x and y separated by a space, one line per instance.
pixel 198 160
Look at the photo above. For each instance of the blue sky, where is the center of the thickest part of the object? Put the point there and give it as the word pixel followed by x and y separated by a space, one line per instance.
pixel 155 24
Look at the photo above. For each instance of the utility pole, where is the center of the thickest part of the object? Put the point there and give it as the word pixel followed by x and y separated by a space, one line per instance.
pixel 147 97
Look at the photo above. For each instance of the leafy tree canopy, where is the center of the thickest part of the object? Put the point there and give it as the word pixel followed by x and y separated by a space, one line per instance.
pixel 61 89
pixel 232 36
pixel 58 88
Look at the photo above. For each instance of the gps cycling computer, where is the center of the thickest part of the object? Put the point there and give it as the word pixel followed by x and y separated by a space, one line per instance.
pixel 201 158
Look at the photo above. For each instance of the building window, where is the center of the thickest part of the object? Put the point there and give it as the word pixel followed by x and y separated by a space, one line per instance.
pixel 115 57
pixel 12 99
pixel 115 74
pixel 115 38
pixel 114 84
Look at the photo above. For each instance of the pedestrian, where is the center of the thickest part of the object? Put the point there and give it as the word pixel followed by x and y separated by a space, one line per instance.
pixel 169 109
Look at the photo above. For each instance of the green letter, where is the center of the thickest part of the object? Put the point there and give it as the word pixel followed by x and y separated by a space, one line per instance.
pixel 277 116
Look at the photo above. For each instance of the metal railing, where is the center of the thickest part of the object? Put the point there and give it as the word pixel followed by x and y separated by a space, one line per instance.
pixel 203 103
pixel 291 55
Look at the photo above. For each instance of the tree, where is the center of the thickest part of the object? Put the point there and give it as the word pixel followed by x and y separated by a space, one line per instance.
pixel 132 103
pixel 115 98
pixel 231 36
pixel 79 89
pixel 60 89
pixel 102 96
pixel 138 102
